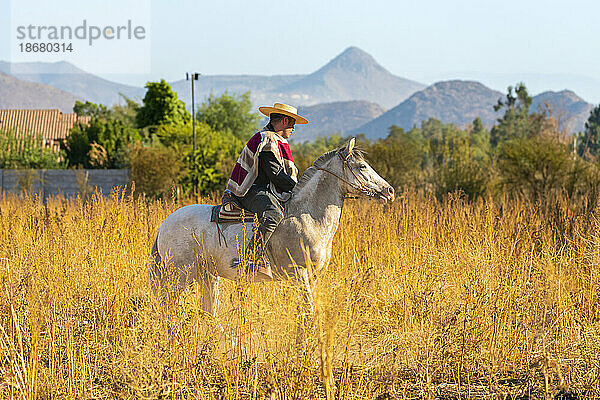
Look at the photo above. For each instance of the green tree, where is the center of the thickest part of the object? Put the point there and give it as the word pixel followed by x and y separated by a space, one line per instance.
pixel 306 153
pixel 229 113
pixel 90 109
pixel 400 157
pixel 100 144
pixel 589 144
pixel 479 140
pixel 179 136
pixel 211 165
pixel 161 106
pixel 516 122
pixel 460 171
pixel 439 137
pixel 127 112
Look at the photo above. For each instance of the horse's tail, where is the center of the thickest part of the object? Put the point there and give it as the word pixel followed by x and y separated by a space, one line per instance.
pixel 156 267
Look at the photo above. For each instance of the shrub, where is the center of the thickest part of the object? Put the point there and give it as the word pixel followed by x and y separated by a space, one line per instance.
pixel 154 169
pixel 99 144
pixel 27 151
pixel 535 166
pixel 459 171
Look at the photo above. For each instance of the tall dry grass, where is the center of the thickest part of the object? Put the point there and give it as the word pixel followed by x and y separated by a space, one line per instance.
pixel 422 299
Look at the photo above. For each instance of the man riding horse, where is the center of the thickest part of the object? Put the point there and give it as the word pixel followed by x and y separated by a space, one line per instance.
pixel 263 175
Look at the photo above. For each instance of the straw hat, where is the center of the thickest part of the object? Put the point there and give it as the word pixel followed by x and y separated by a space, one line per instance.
pixel 284 109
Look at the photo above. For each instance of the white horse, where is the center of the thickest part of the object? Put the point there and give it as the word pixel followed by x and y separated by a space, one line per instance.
pixel 187 246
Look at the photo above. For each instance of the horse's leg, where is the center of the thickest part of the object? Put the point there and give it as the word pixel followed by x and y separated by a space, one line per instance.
pixel 209 284
pixel 167 279
pixel 160 280
pixel 205 274
pixel 306 309
pixel 210 293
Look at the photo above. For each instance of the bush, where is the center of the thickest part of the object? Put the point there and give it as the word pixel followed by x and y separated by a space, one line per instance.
pixel 460 172
pixel 154 169
pixel 536 166
pixel 210 167
pixel 27 151
pixel 99 144
pixel 216 153
pixel 400 157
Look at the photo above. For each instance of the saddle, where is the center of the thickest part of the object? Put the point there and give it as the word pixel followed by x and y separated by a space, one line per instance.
pixel 230 210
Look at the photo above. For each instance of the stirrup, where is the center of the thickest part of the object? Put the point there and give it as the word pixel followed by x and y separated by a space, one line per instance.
pixel 261 266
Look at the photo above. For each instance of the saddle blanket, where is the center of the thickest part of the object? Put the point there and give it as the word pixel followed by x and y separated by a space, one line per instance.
pixel 229 213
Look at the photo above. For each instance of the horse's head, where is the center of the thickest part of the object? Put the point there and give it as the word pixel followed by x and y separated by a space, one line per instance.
pixel 360 178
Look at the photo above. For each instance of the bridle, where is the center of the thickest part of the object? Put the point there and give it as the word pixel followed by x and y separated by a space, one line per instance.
pixel 361 187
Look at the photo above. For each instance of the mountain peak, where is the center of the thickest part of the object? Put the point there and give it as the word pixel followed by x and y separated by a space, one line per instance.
pixel 455 101
pixel 566 94
pixel 353 59
pixel 354 52
pixel 351 75
pixel 457 84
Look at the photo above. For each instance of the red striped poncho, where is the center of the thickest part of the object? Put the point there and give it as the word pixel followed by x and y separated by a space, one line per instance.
pixel 246 167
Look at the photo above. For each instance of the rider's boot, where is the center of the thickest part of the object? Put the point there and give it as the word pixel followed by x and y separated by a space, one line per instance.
pixel 256 260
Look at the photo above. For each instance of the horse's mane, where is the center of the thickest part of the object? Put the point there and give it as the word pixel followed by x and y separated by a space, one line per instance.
pixel 312 170
pixel 320 162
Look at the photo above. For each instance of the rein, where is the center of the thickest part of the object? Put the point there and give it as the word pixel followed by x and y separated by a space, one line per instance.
pixel 361 187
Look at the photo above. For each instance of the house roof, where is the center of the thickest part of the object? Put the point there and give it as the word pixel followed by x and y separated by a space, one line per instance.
pixel 52 124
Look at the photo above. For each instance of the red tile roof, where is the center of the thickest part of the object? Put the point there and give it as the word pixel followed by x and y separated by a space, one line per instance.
pixel 52 124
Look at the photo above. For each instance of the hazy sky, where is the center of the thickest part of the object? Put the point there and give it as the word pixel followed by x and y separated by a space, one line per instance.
pixel 425 41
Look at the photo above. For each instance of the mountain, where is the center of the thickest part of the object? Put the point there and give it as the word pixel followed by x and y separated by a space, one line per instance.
pixel 15 93
pixel 345 93
pixel 339 117
pixel 458 102
pixel 65 76
pixel 585 86
pixel 352 75
pixel 571 110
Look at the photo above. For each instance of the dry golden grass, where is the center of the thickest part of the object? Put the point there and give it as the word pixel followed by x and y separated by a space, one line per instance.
pixel 422 300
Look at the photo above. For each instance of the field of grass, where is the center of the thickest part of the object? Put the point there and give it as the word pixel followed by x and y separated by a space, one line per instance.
pixel 422 299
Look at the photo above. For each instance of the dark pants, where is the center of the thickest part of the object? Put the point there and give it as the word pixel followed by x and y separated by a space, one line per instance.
pixel 269 212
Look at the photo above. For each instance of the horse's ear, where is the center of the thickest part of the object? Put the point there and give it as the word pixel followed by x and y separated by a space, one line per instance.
pixel 346 151
pixel 350 146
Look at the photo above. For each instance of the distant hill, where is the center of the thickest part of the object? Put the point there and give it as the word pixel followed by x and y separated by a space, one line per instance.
pixel 339 117
pixel 16 93
pixel 346 95
pixel 571 110
pixel 65 76
pixel 458 102
pixel 585 86
pixel 352 75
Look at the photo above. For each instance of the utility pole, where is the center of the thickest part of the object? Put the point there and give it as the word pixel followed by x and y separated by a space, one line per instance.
pixel 194 77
